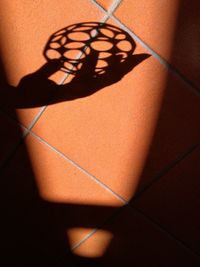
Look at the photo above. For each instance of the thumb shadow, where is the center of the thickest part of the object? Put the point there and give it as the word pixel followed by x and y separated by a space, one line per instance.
pixel 96 69
pixel 102 60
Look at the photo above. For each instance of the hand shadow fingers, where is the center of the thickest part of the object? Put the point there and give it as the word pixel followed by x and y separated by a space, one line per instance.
pixel 48 69
pixel 88 65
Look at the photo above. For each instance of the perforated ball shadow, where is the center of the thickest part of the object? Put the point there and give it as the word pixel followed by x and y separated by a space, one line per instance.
pixel 73 44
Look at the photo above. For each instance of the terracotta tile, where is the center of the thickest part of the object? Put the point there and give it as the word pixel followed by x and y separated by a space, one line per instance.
pixel 52 199
pixel 128 111
pixel 24 34
pixel 111 126
pixel 136 242
pixel 174 201
pixel 86 202
pixel 64 189
pixel 10 134
pixel 176 132
pixel 152 21
pixel 105 3
pixel 170 28
pixel 185 52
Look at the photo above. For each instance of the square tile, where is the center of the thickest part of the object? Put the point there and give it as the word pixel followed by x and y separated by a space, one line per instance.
pixel 50 204
pixel 111 126
pixel 174 201
pixel 135 242
pixel 105 3
pixel 176 132
pixel 139 115
pixel 24 34
pixel 171 28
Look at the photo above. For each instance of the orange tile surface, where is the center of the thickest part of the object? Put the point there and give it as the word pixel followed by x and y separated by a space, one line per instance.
pixel 104 129
pixel 108 175
pixel 171 28
pixel 105 3
pixel 26 27
pixel 177 129
pixel 47 192
pixel 136 242
pixel 154 22
pixel 83 209
pixel 174 201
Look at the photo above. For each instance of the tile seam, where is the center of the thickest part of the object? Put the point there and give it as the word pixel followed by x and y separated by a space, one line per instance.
pixel 11 154
pixel 162 61
pixel 43 109
pixel 149 219
pixel 115 4
pixel 164 230
pixel 36 118
pixel 15 147
pixel 181 157
pixel 106 221
pixel 78 244
pixel 73 163
pixel 146 218
pixel 62 80
pixel 159 58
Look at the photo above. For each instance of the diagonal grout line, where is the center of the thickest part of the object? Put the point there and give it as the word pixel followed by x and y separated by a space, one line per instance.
pixel 104 223
pixel 15 146
pixel 78 167
pixel 62 80
pixel 112 7
pixel 146 218
pixel 99 182
pixel 167 169
pixel 164 230
pixel 84 239
pixel 164 62
pixel 179 159
pixel 37 117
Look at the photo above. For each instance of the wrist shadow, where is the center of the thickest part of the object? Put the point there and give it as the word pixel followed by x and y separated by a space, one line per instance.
pixel 94 56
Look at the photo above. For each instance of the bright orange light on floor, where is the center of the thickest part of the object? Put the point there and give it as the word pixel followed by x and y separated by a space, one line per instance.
pixel 96 249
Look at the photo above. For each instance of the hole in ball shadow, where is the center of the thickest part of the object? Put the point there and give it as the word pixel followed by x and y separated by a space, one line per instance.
pixel 95 38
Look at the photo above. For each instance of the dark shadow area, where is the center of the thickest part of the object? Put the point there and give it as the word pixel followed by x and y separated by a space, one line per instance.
pixel 95 54
pixel 33 231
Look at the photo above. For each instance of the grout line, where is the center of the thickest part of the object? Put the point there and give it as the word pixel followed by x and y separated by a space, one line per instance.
pixel 166 64
pixel 101 226
pixel 148 219
pixel 112 7
pixel 167 169
pixel 15 146
pixel 42 110
pixel 163 61
pixel 84 239
pixel 94 178
pixel 62 80
pixel 10 155
pixel 163 229
pixel 36 118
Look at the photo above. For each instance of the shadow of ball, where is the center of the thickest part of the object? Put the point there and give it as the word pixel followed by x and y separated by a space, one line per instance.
pixel 73 44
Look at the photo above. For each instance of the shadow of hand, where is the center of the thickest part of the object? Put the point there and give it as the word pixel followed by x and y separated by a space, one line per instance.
pixel 37 89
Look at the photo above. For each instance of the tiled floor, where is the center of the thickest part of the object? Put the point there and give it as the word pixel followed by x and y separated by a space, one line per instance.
pixel 100 169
